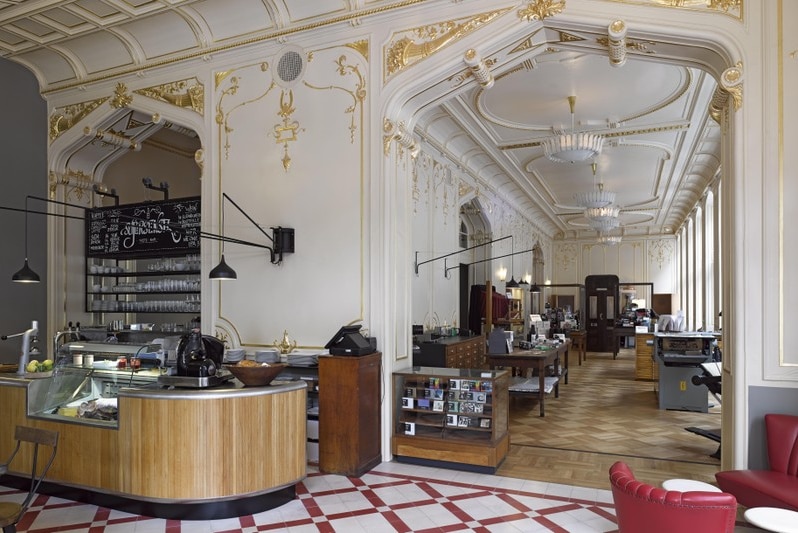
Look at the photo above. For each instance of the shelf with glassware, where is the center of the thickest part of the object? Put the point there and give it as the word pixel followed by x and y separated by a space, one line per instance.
pixel 139 286
pixel 451 417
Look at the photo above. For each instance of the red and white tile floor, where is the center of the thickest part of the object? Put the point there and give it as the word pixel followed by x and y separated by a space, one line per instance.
pixel 392 497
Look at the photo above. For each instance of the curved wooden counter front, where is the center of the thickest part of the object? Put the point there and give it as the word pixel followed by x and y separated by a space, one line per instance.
pixel 190 454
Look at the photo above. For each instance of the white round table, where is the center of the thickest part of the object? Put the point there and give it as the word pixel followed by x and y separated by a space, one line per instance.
pixel 689 485
pixel 773 519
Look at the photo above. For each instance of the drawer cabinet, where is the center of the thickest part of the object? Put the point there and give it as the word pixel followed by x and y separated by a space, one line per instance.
pixel 645 366
pixel 453 352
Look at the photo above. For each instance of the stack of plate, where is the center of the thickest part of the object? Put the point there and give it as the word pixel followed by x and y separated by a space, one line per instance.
pixel 303 359
pixel 234 355
pixel 271 355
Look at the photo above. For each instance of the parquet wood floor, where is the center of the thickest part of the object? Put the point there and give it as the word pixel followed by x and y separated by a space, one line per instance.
pixel 603 415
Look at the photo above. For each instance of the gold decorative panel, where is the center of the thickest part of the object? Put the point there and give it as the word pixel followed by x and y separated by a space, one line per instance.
pixel 411 46
pixel 65 117
pixel 541 9
pixel 732 8
pixel 188 93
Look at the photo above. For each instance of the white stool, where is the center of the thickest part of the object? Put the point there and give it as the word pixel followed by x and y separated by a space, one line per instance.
pixel 689 485
pixel 773 519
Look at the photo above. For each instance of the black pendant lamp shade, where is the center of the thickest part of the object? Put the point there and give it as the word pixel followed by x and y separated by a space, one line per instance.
pixel 222 271
pixel 512 284
pixel 25 275
pixel 534 289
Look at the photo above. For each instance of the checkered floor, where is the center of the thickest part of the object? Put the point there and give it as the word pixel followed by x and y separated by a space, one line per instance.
pixel 392 497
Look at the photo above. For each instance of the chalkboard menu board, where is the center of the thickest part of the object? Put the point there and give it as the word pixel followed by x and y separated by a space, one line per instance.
pixel 149 229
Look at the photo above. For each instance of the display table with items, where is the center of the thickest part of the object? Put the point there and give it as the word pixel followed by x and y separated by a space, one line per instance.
pixel 539 358
pixel 451 417
pixel 452 352
pixel 129 443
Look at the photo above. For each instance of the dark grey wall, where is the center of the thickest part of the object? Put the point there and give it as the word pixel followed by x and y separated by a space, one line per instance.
pixel 23 153
pixel 761 401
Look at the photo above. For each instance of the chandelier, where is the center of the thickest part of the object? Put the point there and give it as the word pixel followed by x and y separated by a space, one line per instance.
pixel 572 147
pixel 604 225
pixel 607 238
pixel 602 213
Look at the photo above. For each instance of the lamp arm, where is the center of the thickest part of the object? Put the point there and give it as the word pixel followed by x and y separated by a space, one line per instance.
pixel 248 217
pixel 233 240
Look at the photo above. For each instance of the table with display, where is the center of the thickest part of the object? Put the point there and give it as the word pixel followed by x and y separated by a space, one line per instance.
pixel 537 359
pixel 618 333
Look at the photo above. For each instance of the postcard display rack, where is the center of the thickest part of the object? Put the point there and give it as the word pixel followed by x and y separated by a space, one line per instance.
pixel 451 417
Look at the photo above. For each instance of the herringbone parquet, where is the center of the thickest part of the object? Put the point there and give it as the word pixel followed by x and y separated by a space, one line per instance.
pixel 603 415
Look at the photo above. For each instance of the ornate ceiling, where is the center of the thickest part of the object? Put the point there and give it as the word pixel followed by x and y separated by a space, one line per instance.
pixel 661 148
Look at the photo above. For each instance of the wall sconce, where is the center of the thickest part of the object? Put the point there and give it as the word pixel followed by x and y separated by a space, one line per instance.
pixel 163 187
pixel 282 240
pixel 26 274
pixel 479 69
pixel 502 273
pixel 617 43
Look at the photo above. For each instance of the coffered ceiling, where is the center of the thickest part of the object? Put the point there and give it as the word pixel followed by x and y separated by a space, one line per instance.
pixel 661 148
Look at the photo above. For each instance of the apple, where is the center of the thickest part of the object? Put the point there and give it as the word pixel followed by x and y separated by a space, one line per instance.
pixel 47 364
pixel 32 366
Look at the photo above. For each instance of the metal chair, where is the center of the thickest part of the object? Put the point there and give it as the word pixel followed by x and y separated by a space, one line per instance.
pixel 12 512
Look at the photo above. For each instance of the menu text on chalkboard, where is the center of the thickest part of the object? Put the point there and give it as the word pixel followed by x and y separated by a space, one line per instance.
pixel 148 229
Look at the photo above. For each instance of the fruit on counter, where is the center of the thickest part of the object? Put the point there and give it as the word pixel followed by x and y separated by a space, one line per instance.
pixel 36 366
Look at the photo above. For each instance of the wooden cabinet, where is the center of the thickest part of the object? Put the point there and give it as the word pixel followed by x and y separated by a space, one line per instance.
pixel 453 352
pixel 451 417
pixel 645 366
pixel 349 413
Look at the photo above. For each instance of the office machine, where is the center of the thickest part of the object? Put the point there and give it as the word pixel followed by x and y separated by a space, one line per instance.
pixel 679 357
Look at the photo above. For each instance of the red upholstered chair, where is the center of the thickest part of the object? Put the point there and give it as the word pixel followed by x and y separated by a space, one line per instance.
pixel 644 508
pixel 777 487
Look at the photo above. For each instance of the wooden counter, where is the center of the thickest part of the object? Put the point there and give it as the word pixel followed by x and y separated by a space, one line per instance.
pixel 191 454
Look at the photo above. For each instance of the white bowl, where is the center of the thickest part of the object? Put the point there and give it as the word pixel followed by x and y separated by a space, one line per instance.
pixel 267 356
pixel 234 355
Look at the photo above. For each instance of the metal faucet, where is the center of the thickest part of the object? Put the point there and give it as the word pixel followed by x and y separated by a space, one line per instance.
pixel 57 339
pixel 24 356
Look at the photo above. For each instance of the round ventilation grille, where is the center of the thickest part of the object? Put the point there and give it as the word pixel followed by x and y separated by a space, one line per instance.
pixel 289 66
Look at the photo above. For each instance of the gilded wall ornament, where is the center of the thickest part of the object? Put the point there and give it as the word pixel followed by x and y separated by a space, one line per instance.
pixel 222 117
pixel 188 93
pixel 660 251
pixel 541 9
pixel 65 117
pixel 732 81
pixel 423 41
pixel 77 184
pixel 286 131
pixel 565 257
pixel 121 98
pixel 358 93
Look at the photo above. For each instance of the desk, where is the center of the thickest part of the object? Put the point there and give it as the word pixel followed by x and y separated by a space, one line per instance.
pixel 617 333
pixel 538 359
pixel 579 343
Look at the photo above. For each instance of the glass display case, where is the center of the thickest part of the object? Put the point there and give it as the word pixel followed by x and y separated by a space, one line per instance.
pixel 85 395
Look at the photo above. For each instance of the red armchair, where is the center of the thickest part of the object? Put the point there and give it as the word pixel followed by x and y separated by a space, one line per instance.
pixel 641 507
pixel 777 487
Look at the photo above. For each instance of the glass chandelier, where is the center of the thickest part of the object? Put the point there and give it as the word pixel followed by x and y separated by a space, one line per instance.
pixel 573 147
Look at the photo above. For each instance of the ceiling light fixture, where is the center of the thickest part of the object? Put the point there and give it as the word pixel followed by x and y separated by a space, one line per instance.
pixel 573 147
pixel 609 239
pixel 26 274
pixel 604 225
pixel 596 197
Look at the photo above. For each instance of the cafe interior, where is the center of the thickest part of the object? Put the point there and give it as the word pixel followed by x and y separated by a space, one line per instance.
pixel 603 173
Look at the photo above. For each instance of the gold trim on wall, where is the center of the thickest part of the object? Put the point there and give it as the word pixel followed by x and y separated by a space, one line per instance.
pixel 732 8
pixel 541 9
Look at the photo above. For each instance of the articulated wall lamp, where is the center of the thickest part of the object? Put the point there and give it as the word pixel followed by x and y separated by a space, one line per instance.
pixel 26 274
pixel 282 240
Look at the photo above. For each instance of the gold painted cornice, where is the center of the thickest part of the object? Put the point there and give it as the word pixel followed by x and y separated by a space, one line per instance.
pixel 419 43
pixel 188 94
pixel 732 8
pixel 63 118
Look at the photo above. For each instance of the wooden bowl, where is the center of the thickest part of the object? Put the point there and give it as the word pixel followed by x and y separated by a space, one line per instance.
pixel 256 376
